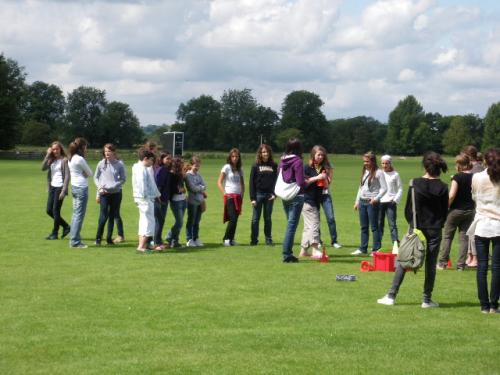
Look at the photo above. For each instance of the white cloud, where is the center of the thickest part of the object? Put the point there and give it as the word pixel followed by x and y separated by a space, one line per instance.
pixel 407 75
pixel 446 58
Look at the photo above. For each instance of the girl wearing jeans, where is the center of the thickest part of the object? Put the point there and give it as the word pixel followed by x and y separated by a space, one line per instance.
pixel 196 201
pixel 162 178
pixel 292 170
pixel 389 202
pixel 80 172
pixel 485 230
pixel 177 201
pixel 262 180
pixel 232 186
pixel 58 176
pixel 372 187
pixel 109 178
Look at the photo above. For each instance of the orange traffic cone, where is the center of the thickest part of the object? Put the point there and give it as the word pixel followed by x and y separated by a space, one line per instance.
pixel 324 256
pixel 449 264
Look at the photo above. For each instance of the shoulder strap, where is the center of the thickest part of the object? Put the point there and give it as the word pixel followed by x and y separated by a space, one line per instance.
pixel 413 206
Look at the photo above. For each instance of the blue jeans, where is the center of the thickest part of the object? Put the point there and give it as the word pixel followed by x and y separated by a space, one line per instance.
pixel 327 204
pixel 160 214
pixel 178 208
pixel 80 199
pixel 483 251
pixel 110 205
pixel 263 201
pixel 389 209
pixel 193 221
pixel 292 208
pixel 368 216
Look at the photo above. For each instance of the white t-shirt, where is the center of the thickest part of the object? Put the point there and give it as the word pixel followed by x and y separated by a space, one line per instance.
pixel 232 180
pixel 56 173
pixel 79 170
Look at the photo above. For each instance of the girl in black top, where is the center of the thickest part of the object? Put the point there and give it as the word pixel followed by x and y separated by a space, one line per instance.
pixel 431 204
pixel 262 180
pixel 461 213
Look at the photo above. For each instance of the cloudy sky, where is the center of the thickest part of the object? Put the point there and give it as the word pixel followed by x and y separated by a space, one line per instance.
pixel 360 56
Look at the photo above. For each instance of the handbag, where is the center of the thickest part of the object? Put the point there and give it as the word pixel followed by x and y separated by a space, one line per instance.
pixel 411 253
pixel 285 190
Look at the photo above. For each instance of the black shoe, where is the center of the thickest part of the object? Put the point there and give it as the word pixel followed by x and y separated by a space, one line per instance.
pixel 97 242
pixel 269 242
pixel 110 242
pixel 66 231
pixel 291 259
pixel 51 237
pixel 254 243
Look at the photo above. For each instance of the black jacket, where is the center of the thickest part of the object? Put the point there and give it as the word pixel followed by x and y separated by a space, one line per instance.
pixel 262 179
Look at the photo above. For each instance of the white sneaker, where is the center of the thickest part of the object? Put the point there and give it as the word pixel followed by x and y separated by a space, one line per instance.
pixel 357 252
pixel 337 245
pixel 191 243
pixel 227 243
pixel 199 243
pixel 386 300
pixel 304 253
pixel 430 305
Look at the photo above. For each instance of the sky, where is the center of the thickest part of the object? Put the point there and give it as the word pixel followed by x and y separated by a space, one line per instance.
pixel 361 57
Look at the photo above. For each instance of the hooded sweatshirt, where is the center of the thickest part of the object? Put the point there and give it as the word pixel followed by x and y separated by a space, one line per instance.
pixel 293 170
pixel 431 201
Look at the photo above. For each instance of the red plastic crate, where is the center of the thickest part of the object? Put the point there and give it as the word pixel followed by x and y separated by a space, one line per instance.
pixel 384 262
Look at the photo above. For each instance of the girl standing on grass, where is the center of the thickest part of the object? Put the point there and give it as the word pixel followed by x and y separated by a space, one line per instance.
pixel 109 178
pixel 196 201
pixel 232 186
pixel 431 205
pixel 389 202
pixel 262 180
pixel 80 172
pixel 485 230
pixel 177 201
pixel 145 193
pixel 371 189
pixel 316 176
pixel 58 176
pixel 327 201
pixel 460 214
pixel 163 175
pixel 292 170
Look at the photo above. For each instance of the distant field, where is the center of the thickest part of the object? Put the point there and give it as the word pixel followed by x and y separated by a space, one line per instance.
pixel 221 310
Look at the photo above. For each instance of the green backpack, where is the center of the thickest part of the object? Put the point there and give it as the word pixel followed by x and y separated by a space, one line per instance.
pixel 411 253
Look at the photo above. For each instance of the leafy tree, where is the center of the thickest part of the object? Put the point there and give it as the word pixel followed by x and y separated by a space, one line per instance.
pixel 356 135
pixel 457 136
pixel 403 121
pixel 201 122
pixel 284 135
pixel 119 125
pixel 491 136
pixel 44 103
pixel 36 133
pixel 302 110
pixel 12 87
pixel 84 110
pixel 423 138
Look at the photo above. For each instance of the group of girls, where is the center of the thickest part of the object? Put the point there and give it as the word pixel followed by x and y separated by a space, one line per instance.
pixel 158 182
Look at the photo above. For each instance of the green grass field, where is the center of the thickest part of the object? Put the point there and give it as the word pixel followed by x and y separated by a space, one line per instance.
pixel 221 310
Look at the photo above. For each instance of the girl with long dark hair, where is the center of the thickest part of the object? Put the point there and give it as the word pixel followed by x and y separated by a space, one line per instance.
pixel 58 177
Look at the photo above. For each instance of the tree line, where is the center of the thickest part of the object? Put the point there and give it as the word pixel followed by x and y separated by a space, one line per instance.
pixel 37 113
